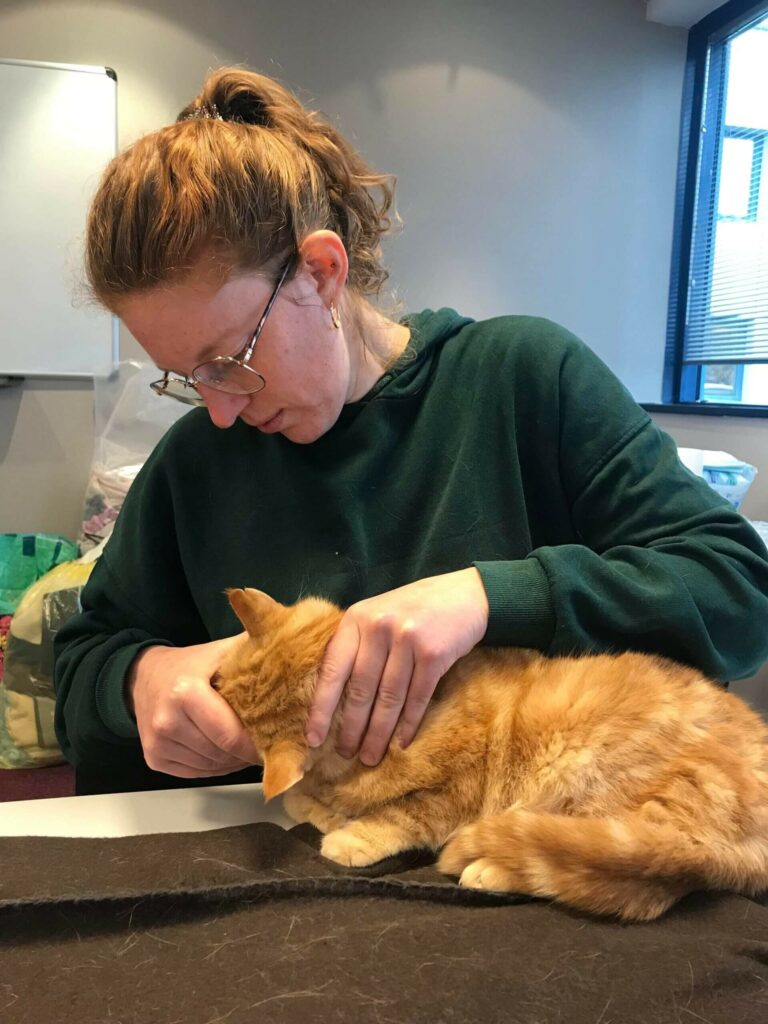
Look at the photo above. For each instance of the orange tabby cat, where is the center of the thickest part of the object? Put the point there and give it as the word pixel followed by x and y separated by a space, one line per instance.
pixel 614 783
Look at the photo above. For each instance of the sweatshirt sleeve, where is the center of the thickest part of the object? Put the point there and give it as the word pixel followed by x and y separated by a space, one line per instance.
pixel 661 563
pixel 137 596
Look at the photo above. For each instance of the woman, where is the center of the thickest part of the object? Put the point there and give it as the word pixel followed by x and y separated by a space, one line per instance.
pixel 449 482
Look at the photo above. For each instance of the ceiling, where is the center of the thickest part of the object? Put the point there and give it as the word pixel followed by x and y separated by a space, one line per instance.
pixel 680 12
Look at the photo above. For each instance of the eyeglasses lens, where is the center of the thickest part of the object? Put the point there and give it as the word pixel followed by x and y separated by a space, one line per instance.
pixel 232 377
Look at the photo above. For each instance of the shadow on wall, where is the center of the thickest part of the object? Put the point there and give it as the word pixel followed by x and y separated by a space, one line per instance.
pixel 10 403
pixel 348 42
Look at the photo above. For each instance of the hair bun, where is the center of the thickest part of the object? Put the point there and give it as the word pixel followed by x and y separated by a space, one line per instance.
pixel 244 106
pixel 229 96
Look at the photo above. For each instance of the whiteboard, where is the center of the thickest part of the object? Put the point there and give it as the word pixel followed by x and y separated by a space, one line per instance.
pixel 58 130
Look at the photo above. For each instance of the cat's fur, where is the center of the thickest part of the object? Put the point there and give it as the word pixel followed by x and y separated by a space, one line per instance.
pixel 613 783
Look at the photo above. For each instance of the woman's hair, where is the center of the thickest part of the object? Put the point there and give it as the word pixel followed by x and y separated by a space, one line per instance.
pixel 244 174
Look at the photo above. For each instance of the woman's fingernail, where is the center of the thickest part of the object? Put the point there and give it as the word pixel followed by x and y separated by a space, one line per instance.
pixel 313 739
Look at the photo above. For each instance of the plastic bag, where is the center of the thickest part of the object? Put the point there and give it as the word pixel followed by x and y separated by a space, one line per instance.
pixel 129 420
pixel 24 558
pixel 724 473
pixel 27 698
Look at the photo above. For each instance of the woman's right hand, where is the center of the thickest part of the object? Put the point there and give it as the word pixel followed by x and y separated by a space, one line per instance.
pixel 186 728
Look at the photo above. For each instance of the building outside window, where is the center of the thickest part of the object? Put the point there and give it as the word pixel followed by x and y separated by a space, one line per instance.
pixel 717 341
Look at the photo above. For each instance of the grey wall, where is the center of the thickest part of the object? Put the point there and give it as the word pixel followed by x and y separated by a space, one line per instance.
pixel 535 146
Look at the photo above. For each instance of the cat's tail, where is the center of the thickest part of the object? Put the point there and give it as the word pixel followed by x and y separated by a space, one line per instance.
pixel 629 867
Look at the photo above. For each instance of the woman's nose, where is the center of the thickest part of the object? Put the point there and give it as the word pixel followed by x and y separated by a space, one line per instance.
pixel 222 407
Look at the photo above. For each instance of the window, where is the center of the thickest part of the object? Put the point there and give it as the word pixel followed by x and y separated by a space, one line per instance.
pixel 717 338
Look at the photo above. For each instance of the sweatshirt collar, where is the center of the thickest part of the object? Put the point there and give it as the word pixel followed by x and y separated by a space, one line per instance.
pixel 430 330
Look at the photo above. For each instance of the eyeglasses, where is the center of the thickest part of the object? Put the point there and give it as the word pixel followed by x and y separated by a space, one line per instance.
pixel 230 374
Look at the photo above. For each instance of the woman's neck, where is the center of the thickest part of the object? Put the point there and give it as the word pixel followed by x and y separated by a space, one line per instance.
pixel 375 343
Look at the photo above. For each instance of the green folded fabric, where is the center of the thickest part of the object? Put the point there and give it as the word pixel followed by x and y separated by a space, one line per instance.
pixel 24 558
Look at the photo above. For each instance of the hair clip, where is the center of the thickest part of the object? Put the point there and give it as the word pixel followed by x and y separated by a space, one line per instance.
pixel 206 110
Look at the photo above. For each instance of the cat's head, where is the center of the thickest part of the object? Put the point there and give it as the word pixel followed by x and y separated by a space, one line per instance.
pixel 269 678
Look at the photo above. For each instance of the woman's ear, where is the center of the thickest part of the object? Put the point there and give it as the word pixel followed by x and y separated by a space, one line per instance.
pixel 284 766
pixel 325 258
pixel 257 611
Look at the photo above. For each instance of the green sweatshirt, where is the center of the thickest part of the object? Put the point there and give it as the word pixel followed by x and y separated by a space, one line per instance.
pixel 504 444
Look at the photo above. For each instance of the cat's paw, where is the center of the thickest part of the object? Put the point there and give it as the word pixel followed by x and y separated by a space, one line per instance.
pixel 460 850
pixel 346 847
pixel 488 875
pixel 296 806
pixel 302 808
pixel 464 855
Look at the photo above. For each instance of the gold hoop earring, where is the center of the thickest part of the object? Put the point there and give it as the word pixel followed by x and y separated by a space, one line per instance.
pixel 335 318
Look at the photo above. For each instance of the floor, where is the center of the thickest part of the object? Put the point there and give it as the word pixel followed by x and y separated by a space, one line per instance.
pixel 37 783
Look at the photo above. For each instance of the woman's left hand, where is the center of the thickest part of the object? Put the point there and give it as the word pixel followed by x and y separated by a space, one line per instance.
pixel 388 655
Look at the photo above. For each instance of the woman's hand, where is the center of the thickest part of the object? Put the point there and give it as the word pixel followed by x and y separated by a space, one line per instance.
pixel 387 656
pixel 186 728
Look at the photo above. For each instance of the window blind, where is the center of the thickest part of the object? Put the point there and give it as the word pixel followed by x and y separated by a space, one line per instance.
pixel 727 312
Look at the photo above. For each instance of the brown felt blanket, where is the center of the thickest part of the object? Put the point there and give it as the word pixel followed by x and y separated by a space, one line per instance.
pixel 250 924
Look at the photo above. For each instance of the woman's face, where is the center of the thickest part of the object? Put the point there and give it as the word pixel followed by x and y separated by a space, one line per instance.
pixel 304 360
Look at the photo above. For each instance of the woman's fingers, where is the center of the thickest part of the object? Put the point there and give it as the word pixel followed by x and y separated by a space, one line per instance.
pixel 427 674
pixel 395 685
pixel 183 771
pixel 361 689
pixel 335 670
pixel 388 655
pixel 218 730
pixel 179 753
pixel 196 728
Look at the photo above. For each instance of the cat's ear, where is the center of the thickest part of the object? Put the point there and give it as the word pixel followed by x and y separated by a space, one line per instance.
pixel 256 610
pixel 284 766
